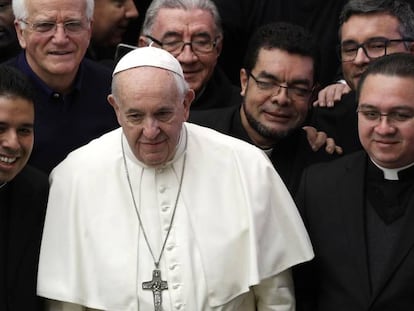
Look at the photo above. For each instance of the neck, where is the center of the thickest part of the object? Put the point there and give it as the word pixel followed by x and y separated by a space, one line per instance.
pixel 61 83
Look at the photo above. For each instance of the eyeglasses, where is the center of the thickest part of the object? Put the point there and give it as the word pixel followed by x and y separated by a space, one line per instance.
pixel 393 117
pixel 372 48
pixel 47 28
pixel 176 47
pixel 293 92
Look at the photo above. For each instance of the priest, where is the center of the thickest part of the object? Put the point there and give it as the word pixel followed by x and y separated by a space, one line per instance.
pixel 161 214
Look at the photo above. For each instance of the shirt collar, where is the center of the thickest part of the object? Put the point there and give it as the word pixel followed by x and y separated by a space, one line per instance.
pixel 392 173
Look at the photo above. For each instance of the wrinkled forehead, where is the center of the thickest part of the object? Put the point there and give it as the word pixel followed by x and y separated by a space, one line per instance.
pixel 184 22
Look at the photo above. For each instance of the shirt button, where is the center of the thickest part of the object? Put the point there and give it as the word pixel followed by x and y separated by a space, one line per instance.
pixel 160 170
pixel 162 189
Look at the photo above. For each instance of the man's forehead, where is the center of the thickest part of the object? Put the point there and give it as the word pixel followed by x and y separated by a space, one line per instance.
pixel 370 25
pixel 274 60
pixel 181 22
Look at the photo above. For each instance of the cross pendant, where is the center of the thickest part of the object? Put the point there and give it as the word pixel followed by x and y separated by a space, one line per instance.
pixel 157 286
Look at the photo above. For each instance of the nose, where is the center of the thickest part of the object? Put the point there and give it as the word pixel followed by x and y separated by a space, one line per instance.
pixel 384 126
pixel 187 55
pixel 280 96
pixel 361 57
pixel 151 129
pixel 10 140
pixel 131 10
pixel 60 34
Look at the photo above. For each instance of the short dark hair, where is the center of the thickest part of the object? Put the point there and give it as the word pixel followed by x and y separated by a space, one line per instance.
pixel 287 37
pixel 14 83
pixel 399 9
pixel 396 64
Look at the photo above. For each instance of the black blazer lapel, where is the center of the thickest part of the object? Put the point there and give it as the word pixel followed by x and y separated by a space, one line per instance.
pixel 352 202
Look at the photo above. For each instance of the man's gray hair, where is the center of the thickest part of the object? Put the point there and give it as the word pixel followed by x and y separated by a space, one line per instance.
pixel 399 9
pixel 21 13
pixel 157 5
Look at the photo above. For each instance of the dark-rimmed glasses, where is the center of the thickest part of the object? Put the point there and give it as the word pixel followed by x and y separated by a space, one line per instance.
pixel 47 28
pixel 175 47
pixel 293 92
pixel 372 48
pixel 393 117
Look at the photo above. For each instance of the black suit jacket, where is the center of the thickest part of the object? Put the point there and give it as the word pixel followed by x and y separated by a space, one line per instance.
pixel 340 122
pixel 331 200
pixel 290 155
pixel 24 199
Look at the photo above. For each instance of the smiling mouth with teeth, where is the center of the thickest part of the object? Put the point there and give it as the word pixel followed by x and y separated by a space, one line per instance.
pixel 7 160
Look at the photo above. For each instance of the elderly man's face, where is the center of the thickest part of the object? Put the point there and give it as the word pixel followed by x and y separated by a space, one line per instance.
pixel 390 143
pixel 111 19
pixel 56 53
pixel 151 112
pixel 362 28
pixel 16 135
pixel 269 112
pixel 194 25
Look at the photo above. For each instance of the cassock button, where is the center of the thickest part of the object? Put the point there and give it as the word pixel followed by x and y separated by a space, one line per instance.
pixel 173 266
pixel 56 95
pixel 166 228
pixel 170 247
pixel 165 208
pixel 176 286
pixel 178 306
pixel 162 189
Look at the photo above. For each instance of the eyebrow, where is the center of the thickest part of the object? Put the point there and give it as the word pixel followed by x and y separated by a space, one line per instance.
pixel 266 75
pixel 178 34
pixel 350 41
pixel 401 107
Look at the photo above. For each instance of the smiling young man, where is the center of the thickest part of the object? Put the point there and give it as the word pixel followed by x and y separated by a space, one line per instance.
pixel 23 195
pixel 358 209
pixel 70 100
pixel 368 29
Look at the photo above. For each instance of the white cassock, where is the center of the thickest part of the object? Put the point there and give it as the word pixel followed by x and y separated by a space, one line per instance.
pixel 234 237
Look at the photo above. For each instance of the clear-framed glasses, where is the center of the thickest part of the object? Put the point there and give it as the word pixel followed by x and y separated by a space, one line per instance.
pixel 372 48
pixel 198 46
pixel 393 117
pixel 293 92
pixel 47 28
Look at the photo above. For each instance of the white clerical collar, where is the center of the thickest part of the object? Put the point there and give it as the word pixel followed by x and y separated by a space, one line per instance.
pixel 391 173
pixel 180 148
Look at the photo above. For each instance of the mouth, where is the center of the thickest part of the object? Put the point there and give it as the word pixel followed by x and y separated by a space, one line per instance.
pixel 60 53
pixel 7 160
pixel 278 115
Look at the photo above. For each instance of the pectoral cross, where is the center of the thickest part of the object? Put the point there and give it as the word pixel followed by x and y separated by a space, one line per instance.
pixel 157 286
